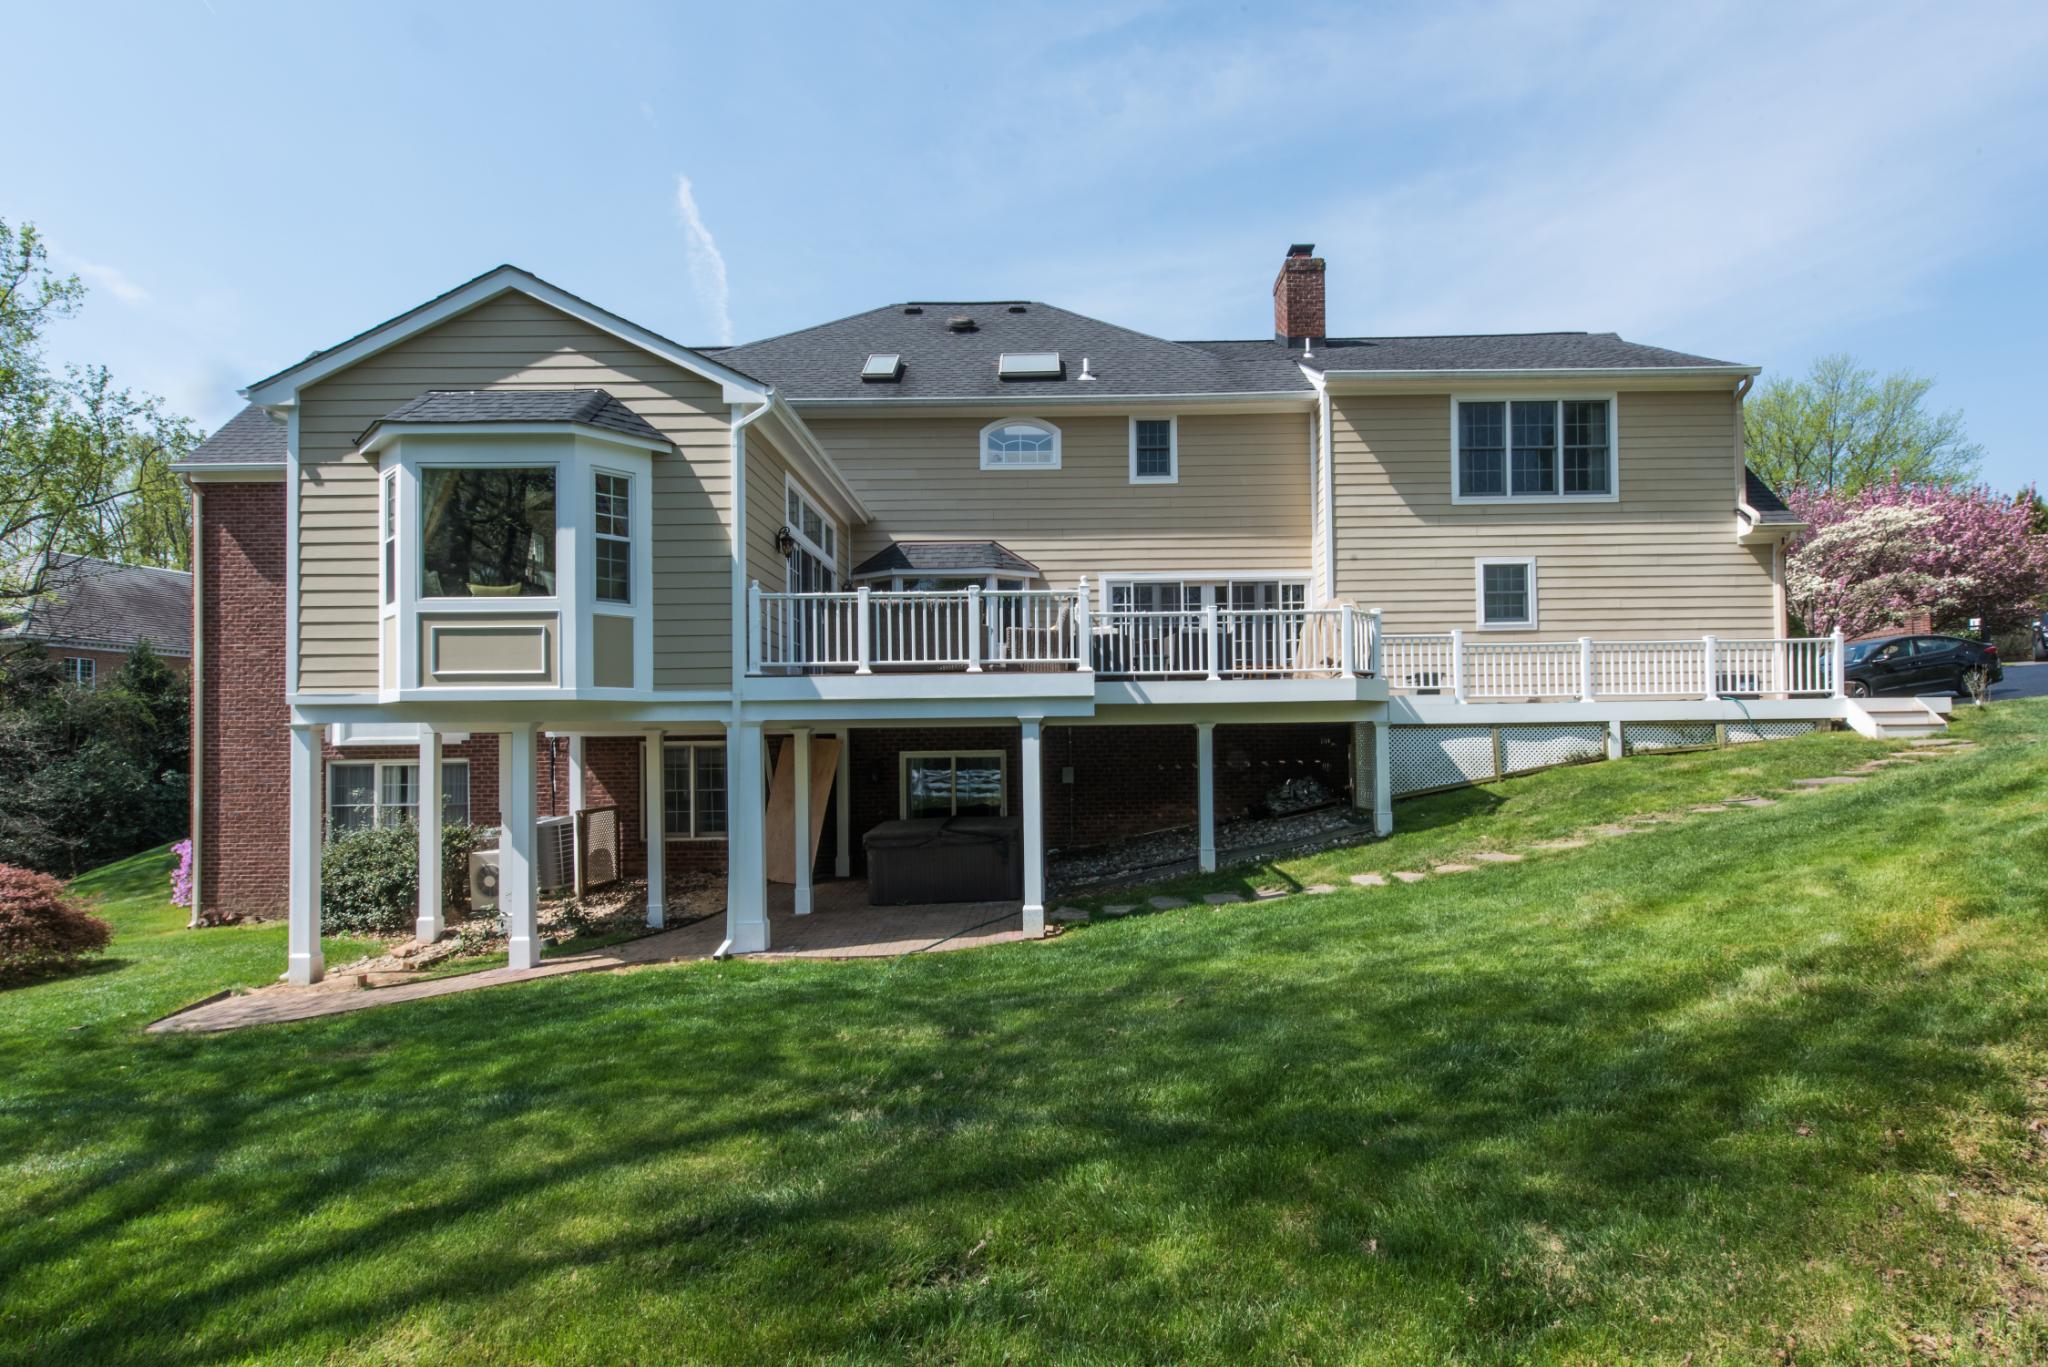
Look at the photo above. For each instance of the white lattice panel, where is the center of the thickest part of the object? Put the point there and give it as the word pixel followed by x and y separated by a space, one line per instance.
pixel 1540 747
pixel 1742 731
pixel 1440 756
pixel 1638 737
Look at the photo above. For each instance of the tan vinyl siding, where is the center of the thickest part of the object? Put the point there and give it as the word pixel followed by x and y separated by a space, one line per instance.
pixel 514 342
pixel 1660 561
pixel 1242 501
pixel 768 510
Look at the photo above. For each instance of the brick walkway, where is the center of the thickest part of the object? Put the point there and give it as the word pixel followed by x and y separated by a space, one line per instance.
pixel 841 926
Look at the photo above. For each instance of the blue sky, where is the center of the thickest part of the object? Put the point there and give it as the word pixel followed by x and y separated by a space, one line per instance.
pixel 242 184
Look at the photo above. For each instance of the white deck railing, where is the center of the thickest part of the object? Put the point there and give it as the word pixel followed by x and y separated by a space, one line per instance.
pixel 1050 629
pixel 1699 667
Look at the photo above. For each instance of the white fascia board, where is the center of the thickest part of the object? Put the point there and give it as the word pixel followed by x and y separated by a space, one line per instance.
pixel 393 431
pixel 1022 690
pixel 280 388
pixel 816 463
pixel 1272 401
pixel 1640 377
pixel 231 471
pixel 495 714
pixel 1199 693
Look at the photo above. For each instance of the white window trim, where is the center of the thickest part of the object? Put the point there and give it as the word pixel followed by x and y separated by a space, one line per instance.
pixel 804 499
pixel 695 837
pixel 1172 475
pixel 981 444
pixel 633 579
pixel 390 544
pixel 1527 562
pixel 1613 402
pixel 903 758
pixel 377 787
pixel 82 671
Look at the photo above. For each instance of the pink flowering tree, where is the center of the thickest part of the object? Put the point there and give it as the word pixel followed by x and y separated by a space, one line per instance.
pixel 1869 560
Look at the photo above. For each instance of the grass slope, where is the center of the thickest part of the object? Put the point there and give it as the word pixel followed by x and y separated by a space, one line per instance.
pixel 1766 1081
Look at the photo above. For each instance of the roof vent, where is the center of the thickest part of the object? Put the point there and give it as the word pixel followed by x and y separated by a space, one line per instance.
pixel 882 366
pixel 1015 308
pixel 960 322
pixel 1087 377
pixel 1030 365
pixel 914 309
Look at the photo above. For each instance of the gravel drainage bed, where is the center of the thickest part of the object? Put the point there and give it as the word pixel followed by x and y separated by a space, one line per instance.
pixel 1170 853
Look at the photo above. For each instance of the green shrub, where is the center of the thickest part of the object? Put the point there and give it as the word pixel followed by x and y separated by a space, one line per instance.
pixel 370 882
pixel 42 928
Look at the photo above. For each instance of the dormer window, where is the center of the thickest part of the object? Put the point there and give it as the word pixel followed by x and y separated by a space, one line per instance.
pixel 1029 365
pixel 1020 444
pixel 487 533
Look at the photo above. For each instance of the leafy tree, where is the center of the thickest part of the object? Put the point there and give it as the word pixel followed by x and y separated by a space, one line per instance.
pixel 88 775
pixel 84 464
pixel 1842 429
pixel 1870 559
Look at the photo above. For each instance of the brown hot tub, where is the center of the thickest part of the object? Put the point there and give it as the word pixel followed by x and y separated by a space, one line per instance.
pixel 945 859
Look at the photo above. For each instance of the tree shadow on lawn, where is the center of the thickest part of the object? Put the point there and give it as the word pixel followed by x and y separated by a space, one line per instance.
pixel 1415 1102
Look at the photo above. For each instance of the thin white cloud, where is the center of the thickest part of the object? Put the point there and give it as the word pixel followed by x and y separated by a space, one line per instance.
pixel 108 278
pixel 707 265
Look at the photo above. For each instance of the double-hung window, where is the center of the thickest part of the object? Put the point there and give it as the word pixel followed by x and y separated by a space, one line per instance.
pixel 390 537
pixel 1505 450
pixel 693 791
pixel 1506 590
pixel 365 793
pixel 963 783
pixel 81 671
pixel 1155 456
pixel 612 522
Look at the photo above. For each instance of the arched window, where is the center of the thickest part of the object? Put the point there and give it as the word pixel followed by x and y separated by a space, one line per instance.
pixel 1020 444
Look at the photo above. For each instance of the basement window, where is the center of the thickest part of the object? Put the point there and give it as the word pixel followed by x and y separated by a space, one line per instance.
pixel 1029 365
pixel 883 366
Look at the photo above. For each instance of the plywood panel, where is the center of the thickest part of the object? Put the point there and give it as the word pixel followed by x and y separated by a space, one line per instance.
pixel 780 827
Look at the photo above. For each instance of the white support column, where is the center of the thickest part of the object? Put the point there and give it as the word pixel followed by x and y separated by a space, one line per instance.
pixel 575 810
pixel 1382 778
pixel 1375 642
pixel 303 962
pixel 863 632
pixel 1585 669
pixel 746 894
pixel 1032 783
pixel 975 625
pixel 1212 634
pixel 1614 740
pixel 1458 665
pixel 504 775
pixel 1084 634
pixel 1712 656
pixel 654 806
pixel 1838 665
pixel 428 928
pixel 842 805
pixel 1347 642
pixel 1205 793
pixel 518 872
pixel 800 832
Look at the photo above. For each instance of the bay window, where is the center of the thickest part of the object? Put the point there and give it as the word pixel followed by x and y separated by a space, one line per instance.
pixel 1513 449
pixel 487 533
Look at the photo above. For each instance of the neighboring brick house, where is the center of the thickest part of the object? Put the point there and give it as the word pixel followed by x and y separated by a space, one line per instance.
pixel 89 613
pixel 1006 560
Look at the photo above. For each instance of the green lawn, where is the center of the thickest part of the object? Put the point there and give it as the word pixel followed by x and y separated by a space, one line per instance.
pixel 1769 1080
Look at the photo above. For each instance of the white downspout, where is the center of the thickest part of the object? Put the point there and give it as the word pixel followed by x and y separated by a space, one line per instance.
pixel 740 605
pixel 198 750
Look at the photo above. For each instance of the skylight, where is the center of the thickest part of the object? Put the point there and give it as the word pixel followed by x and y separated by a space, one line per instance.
pixel 882 365
pixel 1030 365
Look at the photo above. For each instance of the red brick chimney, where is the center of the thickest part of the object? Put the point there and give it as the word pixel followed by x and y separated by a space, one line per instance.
pixel 1298 296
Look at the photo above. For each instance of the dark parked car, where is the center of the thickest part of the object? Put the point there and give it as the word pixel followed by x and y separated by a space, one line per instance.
pixel 1917 664
pixel 2041 637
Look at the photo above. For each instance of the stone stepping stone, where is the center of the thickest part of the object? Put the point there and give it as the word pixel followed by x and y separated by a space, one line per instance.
pixel 1318 889
pixel 1120 909
pixel 1069 914
pixel 1709 808
pixel 1410 876
pixel 1933 743
pixel 1222 899
pixel 1826 781
pixel 1454 868
pixel 1610 832
pixel 1752 802
pixel 1369 880
pixel 1165 903
pixel 1497 857
pixel 1570 843
pixel 1271 894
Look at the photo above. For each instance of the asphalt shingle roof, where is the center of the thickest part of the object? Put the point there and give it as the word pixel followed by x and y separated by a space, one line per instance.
pixel 100 604
pixel 1763 498
pixel 587 407
pixel 1499 351
pixel 251 437
pixel 945 557
pixel 824 362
